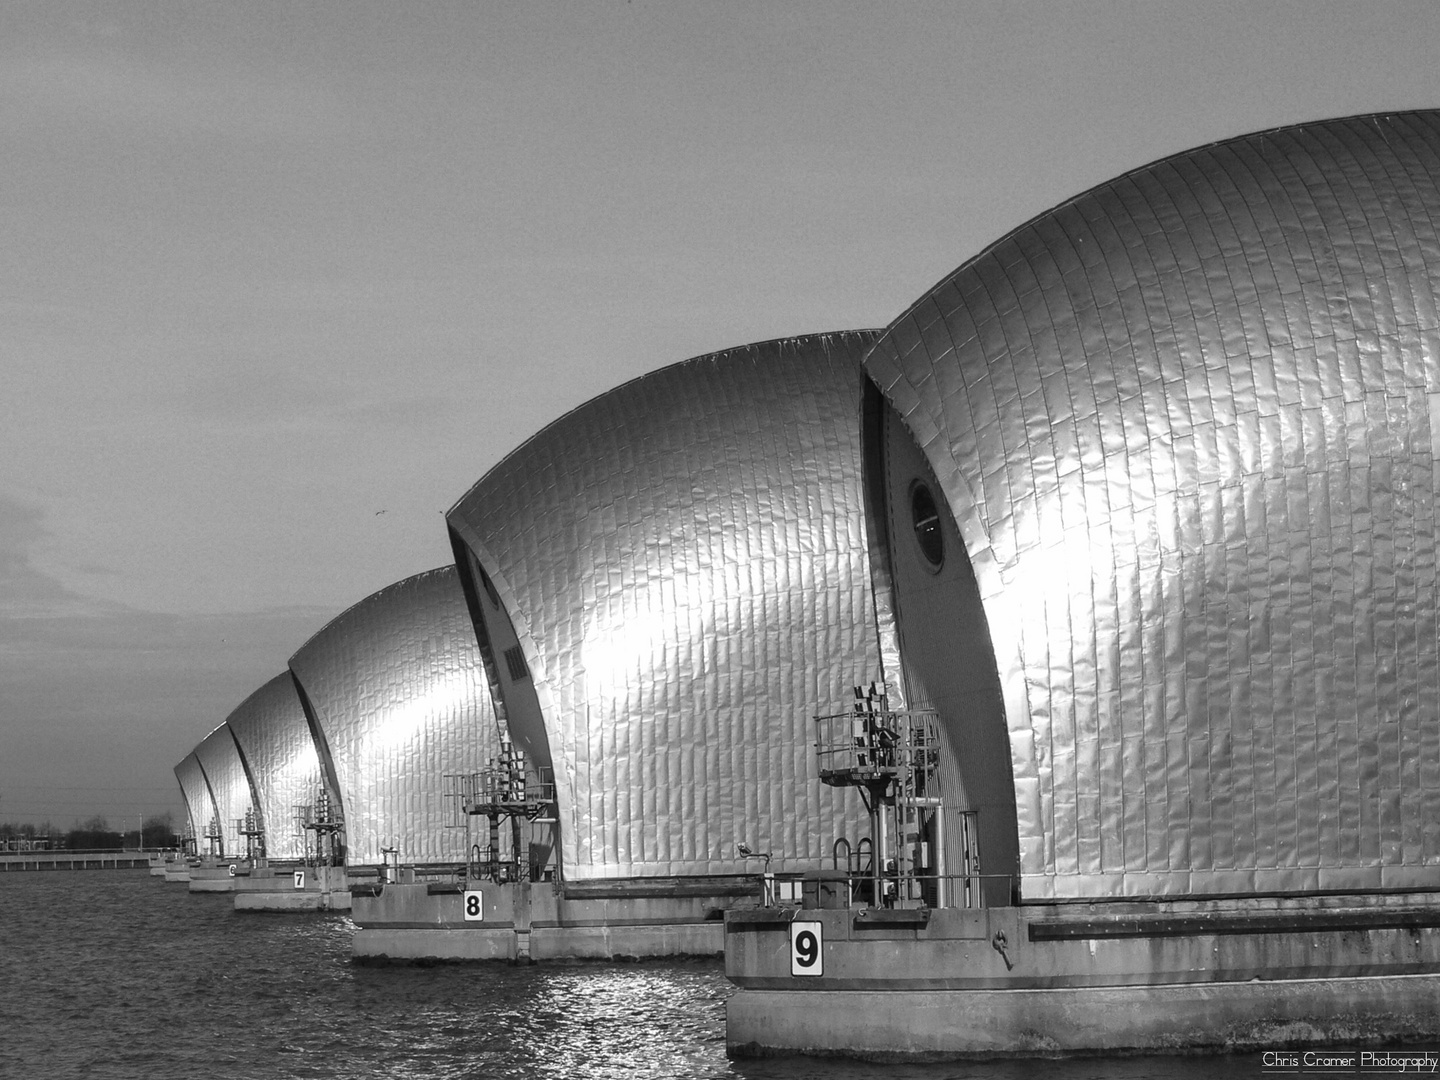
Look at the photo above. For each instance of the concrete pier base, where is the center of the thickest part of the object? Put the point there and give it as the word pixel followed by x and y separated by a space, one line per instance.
pixel 162 863
pixel 268 886
pixel 308 888
pixel 524 922
pixel 938 1025
pixel 1105 978
pixel 212 877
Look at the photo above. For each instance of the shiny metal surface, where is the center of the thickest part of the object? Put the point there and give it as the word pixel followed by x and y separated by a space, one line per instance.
pixel 685 564
pixel 398 690
pixel 198 803
pixel 275 743
pixel 219 760
pixel 1187 424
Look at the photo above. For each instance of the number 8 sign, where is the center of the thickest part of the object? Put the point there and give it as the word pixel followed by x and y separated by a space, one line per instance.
pixel 807 949
pixel 474 906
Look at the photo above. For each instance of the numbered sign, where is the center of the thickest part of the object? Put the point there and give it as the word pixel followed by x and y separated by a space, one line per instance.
pixel 231 868
pixel 807 949
pixel 299 879
pixel 474 906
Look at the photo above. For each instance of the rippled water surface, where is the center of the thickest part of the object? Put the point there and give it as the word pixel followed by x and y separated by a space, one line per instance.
pixel 118 974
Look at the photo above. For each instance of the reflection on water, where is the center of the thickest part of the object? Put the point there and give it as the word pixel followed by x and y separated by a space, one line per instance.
pixel 116 974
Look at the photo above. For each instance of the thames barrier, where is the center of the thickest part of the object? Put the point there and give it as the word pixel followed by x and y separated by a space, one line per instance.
pixel 1055 670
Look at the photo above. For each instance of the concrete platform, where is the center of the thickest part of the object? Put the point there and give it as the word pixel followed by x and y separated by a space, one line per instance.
pixel 273 887
pixel 161 864
pixel 957 1024
pixel 527 922
pixel 1203 975
pixel 293 888
pixel 73 860
pixel 212 878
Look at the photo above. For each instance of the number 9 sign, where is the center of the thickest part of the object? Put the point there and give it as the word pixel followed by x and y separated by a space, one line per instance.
pixel 807 949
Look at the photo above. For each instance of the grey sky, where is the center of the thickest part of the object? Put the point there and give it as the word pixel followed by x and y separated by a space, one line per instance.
pixel 271 269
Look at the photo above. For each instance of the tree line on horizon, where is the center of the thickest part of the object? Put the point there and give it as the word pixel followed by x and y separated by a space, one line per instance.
pixel 93 834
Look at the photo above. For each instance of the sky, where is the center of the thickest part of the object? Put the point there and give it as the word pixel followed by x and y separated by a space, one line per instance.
pixel 281 281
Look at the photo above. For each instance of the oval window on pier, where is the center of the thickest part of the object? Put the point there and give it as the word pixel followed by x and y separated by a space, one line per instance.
pixel 926 516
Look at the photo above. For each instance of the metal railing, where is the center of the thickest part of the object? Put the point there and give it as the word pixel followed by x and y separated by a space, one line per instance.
pixel 859 747
pixel 505 792
pixel 846 889
pixel 510 790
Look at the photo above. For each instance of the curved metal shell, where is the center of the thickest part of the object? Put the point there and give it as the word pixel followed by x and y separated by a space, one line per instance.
pixel 276 745
pixel 199 804
pixel 1187 425
pixel 685 566
pixel 397 691
pixel 219 759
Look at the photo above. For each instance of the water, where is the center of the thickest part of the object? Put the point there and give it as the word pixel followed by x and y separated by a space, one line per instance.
pixel 120 975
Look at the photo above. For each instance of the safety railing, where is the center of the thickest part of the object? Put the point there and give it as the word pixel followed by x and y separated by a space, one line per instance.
pixel 843 889
pixel 500 791
pixel 862 746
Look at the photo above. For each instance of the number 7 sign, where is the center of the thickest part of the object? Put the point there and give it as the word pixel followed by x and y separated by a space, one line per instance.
pixel 807 948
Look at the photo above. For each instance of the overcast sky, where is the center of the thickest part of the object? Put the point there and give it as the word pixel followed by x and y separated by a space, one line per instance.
pixel 281 281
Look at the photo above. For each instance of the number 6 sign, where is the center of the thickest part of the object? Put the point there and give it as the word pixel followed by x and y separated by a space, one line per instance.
pixel 807 949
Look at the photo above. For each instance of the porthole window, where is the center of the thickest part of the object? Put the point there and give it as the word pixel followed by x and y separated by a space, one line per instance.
pixel 926 516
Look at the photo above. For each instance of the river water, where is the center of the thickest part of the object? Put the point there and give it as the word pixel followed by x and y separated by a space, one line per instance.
pixel 118 974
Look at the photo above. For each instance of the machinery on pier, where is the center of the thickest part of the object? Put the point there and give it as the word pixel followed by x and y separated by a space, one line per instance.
pixel 215 839
pixel 249 827
pixel 321 827
pixel 892 758
pixel 509 790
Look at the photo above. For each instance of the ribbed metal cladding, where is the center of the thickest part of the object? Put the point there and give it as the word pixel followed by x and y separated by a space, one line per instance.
pixel 219 759
pixel 685 564
pixel 398 690
pixel 275 742
pixel 1187 425
pixel 198 803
